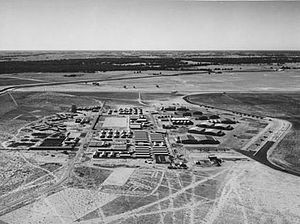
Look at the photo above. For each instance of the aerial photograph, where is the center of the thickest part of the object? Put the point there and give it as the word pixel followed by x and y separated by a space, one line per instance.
pixel 149 112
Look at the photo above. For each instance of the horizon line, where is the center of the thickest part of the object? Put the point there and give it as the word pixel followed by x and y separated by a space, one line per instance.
pixel 155 50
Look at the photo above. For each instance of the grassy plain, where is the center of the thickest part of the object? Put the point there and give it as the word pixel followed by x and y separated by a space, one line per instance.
pixel 7 81
pixel 87 177
pixel 32 77
pixel 185 84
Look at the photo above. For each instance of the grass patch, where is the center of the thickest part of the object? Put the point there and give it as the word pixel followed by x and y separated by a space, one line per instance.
pixel 126 203
pixel 12 81
pixel 89 177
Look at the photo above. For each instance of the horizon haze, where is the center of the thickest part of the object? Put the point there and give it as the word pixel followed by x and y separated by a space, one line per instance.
pixel 149 25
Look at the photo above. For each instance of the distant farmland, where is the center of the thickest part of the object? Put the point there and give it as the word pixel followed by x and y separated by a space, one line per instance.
pixel 135 63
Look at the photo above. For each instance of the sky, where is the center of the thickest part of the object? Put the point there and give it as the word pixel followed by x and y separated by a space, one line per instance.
pixel 148 25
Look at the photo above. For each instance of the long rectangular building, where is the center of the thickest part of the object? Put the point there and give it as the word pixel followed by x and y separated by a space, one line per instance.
pixel 141 136
pixel 157 137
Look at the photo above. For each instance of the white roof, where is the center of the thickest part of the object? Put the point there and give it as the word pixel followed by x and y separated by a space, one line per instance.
pixel 196 128
pixel 221 125
pixel 180 119
pixel 206 123
pixel 211 130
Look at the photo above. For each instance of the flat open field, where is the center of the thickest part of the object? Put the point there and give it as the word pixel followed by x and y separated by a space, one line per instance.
pixel 115 122
pixel 243 81
pixel 127 95
pixel 5 81
pixel 61 77
pixel 65 77
pixel 108 95
pixel 199 81
pixel 281 105
pixel 119 176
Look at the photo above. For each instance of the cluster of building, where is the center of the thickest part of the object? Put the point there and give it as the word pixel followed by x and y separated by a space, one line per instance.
pixel 174 108
pixel 165 117
pixel 159 148
pixel 181 116
pixel 151 145
pixel 45 126
pixel 134 140
pixel 83 120
pixel 60 117
pixel 181 121
pixel 126 111
pixel 109 134
pixel 169 121
pixel 53 123
pixel 126 141
pixel 51 133
pixel 144 145
pixel 58 141
pixel 138 122
pixel 116 149
pixel 87 108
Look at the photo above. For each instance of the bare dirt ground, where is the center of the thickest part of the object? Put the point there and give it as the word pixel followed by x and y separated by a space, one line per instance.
pixel 242 192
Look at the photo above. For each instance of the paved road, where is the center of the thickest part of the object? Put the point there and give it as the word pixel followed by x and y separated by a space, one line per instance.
pixel 280 129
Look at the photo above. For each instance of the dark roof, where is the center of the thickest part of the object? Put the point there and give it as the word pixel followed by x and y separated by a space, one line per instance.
pixel 157 137
pixel 141 136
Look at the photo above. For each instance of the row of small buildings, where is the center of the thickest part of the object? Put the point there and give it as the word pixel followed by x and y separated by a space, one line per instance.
pixel 129 111
pixel 137 122
pixel 174 108
pixel 187 121
pixel 145 146
pixel 151 146
pixel 108 135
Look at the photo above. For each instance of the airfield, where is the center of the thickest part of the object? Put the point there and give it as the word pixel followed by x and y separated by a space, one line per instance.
pixel 229 171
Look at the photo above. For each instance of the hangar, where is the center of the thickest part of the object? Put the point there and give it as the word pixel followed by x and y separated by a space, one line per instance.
pixel 189 139
pixel 203 131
